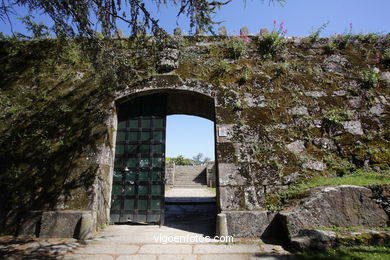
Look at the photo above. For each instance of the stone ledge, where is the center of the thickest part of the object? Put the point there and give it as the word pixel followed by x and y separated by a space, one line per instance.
pixel 248 223
pixel 64 224
pixel 57 224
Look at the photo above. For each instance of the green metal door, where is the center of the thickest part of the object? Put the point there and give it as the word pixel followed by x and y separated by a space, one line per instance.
pixel 138 181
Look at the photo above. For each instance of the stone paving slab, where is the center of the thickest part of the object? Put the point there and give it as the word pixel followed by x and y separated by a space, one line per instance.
pixel 108 249
pixel 123 242
pixel 224 257
pixel 177 257
pixel 226 249
pixel 87 257
pixel 137 257
pixel 166 249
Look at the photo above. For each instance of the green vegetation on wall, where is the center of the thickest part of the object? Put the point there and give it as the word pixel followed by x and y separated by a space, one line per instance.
pixel 297 111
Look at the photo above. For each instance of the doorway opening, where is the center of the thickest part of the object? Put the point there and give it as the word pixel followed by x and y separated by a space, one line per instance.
pixel 140 175
pixel 190 193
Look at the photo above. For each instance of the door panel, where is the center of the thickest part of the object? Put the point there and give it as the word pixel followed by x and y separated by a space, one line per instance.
pixel 139 170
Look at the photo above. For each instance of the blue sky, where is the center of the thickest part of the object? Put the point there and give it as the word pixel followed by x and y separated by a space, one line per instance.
pixel 190 135
pixel 300 16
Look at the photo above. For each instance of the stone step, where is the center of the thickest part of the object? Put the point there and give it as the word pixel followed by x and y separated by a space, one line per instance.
pixel 189 181
pixel 190 176
pixel 190 186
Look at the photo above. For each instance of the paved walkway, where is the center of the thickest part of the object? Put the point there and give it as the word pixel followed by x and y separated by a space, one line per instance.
pixel 190 192
pixel 184 236
pixel 123 242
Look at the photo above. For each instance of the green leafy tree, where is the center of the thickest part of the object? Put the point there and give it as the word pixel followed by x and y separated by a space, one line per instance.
pixel 78 17
pixel 39 31
pixel 181 160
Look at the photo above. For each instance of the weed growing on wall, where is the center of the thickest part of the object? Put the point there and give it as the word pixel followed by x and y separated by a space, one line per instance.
pixel 236 47
pixel 270 43
pixel 314 36
pixel 369 78
pixel 385 58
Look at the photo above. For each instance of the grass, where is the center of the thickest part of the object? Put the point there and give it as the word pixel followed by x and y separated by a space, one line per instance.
pixel 358 178
pixel 348 253
pixel 276 202
pixel 213 190
pixel 353 229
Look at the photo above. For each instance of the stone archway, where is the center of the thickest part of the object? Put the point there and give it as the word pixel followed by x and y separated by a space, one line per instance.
pixel 192 99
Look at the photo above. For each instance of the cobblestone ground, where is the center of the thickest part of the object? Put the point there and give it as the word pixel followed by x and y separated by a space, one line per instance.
pixel 187 224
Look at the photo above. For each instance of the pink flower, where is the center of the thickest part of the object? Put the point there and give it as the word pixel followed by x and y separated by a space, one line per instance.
pixel 285 31
pixel 377 57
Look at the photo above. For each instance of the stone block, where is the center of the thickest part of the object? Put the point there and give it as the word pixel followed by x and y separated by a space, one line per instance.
pixel 315 94
pixel 325 143
pixel 229 174
pixel 314 165
pixel 313 239
pixel 339 206
pixel 298 111
pixel 334 63
pixel 254 197
pixel 244 31
pixel 226 153
pixel 296 147
pixel 30 224
pixel 86 227
pixel 65 224
pixel 248 223
pixel 231 198
pixel 385 76
pixel 168 60
pixel 353 127
pixel 222 31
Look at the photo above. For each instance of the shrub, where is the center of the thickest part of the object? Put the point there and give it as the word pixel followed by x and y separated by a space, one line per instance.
pixel 337 116
pixel 235 47
pixel 369 78
pixel 331 47
pixel 271 43
pixel 386 57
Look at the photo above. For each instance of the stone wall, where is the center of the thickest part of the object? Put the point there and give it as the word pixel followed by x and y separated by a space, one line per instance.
pixel 282 116
pixel 169 174
pixel 211 176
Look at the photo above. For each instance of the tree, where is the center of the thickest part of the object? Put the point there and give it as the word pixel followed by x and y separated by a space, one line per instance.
pixel 199 159
pixel 78 17
pixel 181 160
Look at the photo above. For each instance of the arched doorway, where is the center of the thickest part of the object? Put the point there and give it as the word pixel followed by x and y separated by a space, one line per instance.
pixel 139 166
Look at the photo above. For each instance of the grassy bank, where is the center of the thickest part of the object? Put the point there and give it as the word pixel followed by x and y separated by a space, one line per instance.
pixel 348 253
pixel 294 193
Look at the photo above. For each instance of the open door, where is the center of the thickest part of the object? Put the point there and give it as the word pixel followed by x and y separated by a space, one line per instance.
pixel 139 169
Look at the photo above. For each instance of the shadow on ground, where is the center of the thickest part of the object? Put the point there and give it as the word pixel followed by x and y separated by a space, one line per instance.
pixel 12 248
pixel 193 215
